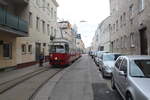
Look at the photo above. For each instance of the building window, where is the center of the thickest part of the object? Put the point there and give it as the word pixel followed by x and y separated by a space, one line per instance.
pixel 132 40
pixel 117 43
pixel 55 15
pixel 30 19
pixel 121 21
pixel 131 11
pixel 7 51
pixel 121 42
pixel 30 48
pixel 141 5
pixel 37 23
pixel 48 8
pixel 125 41
pixel 114 27
pixel 48 30
pixel 113 44
pixel 43 26
pixel 52 13
pixel 131 21
pixel 51 30
pixel 124 18
pixel 23 48
pixel 110 28
pixel 55 31
pixel 43 5
pixel 117 25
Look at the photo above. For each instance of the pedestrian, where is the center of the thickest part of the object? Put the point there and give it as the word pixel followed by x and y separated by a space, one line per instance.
pixel 41 59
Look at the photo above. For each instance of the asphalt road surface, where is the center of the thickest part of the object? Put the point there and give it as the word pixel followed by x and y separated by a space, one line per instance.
pixel 83 81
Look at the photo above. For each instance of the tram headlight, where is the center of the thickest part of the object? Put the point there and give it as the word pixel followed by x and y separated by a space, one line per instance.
pixel 56 58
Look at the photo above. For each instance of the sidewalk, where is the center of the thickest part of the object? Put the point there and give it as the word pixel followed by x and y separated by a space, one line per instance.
pixel 9 75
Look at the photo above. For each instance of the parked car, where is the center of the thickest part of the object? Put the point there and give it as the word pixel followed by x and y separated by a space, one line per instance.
pixel 95 55
pixel 106 63
pixel 131 77
pixel 98 57
pixel 92 54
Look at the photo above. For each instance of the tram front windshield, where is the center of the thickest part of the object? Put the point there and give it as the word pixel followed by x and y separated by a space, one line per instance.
pixel 57 49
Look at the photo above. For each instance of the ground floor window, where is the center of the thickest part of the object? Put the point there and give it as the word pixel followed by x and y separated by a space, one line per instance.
pixel 132 40
pixel 23 47
pixel 7 50
pixel 30 48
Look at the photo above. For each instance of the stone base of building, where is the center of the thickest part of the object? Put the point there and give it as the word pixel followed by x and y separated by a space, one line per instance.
pixel 23 65
pixel 26 64
pixel 19 66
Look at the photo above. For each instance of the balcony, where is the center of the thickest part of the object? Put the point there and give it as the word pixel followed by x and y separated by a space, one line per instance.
pixel 12 24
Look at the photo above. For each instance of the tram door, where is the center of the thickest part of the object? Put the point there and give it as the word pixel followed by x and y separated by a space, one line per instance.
pixel 66 48
pixel 37 51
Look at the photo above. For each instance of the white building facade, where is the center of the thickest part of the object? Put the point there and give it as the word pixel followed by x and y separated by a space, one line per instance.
pixel 39 19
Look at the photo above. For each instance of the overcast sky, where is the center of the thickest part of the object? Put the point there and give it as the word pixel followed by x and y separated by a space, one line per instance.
pixel 92 11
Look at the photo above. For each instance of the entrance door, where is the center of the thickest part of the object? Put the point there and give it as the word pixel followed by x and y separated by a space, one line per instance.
pixel 143 42
pixel 37 51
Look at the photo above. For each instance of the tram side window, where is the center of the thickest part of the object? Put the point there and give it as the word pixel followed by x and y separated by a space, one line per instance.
pixel 67 48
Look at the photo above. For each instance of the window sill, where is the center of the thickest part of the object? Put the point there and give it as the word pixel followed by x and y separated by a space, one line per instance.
pixel 23 53
pixel 29 52
pixel 7 58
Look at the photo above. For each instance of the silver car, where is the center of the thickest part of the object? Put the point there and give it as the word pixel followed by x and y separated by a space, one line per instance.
pixel 106 64
pixel 131 77
pixel 98 57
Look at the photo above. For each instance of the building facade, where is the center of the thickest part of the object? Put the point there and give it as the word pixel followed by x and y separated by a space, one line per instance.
pixel 24 31
pixel 101 40
pixel 104 35
pixel 95 41
pixel 130 26
pixel 67 33
pixel 80 45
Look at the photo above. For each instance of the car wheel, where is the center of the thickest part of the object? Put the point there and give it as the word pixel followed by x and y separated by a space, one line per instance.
pixel 113 83
pixel 129 96
pixel 103 74
pixel 99 69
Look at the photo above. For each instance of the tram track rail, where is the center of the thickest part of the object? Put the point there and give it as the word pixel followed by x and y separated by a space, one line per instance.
pixel 40 86
pixel 5 86
pixel 28 88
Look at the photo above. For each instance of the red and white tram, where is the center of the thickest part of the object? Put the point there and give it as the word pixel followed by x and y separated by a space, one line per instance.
pixel 61 53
